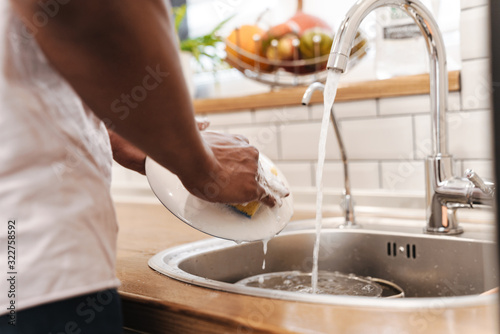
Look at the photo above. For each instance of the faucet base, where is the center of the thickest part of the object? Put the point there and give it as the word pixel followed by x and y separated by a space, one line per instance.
pixel 349 225
pixel 443 230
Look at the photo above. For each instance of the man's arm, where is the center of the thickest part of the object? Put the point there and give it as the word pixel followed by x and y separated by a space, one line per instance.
pixel 120 57
pixel 127 154
pixel 130 156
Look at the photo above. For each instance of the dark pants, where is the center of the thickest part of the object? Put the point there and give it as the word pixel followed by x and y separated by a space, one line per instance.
pixel 94 313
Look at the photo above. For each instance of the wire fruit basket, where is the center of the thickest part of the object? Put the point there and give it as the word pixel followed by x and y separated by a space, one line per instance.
pixel 256 54
pixel 286 73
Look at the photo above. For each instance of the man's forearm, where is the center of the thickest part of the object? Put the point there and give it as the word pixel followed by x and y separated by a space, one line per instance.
pixel 127 154
pixel 121 57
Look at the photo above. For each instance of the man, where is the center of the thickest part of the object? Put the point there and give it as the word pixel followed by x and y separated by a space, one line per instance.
pixel 68 68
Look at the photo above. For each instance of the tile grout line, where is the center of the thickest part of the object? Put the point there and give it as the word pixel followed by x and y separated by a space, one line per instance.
pixel 380 180
pixel 474 7
pixel 253 117
pixel 414 137
pixel 279 141
pixel 313 173
pixel 475 59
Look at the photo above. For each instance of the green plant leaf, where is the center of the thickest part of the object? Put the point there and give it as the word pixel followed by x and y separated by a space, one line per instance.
pixel 220 25
pixel 196 46
pixel 179 14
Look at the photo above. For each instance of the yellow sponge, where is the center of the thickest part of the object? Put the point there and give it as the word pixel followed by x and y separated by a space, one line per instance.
pixel 251 208
pixel 248 209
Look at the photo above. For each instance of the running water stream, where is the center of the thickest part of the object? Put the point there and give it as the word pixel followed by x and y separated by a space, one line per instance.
pixel 330 92
pixel 318 282
pixel 264 244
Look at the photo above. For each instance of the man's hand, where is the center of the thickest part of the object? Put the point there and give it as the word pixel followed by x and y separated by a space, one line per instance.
pixel 235 174
pixel 233 179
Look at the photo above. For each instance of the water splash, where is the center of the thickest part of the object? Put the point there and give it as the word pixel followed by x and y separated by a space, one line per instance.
pixel 330 92
pixel 328 283
pixel 264 245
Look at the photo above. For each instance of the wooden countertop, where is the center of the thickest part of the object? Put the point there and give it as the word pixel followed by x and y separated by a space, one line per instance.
pixel 399 86
pixel 154 303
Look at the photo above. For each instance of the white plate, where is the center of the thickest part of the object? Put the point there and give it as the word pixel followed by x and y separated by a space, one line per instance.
pixel 217 219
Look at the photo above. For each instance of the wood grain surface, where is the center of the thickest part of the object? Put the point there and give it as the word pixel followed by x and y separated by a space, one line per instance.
pixel 399 86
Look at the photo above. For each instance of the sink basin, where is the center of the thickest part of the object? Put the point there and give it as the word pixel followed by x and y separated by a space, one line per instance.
pixel 424 266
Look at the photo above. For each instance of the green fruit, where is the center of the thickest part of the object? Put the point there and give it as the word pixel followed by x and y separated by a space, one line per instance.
pixel 315 42
pixel 282 49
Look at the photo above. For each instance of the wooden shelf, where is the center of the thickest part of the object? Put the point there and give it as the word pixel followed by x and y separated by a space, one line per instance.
pixel 400 86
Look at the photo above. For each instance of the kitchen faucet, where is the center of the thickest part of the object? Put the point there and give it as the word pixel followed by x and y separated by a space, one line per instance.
pixel 445 193
pixel 347 203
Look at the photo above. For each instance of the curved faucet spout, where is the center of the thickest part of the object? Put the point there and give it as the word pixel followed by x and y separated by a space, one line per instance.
pixel 444 191
pixel 341 48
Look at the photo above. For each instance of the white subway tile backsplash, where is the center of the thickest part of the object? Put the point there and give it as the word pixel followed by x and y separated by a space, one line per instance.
pixel 316 111
pixel 282 115
pixel 423 140
pixel 119 173
pixel 457 167
pixel 415 104
pixel 268 115
pixel 300 142
pixel 403 175
pixel 295 113
pixel 405 105
pixel 363 175
pixel 470 135
pixel 454 101
pixel 472 3
pixel 231 118
pixel 347 109
pixel 383 138
pixel 298 174
pixel 137 178
pixel 265 138
pixel 484 168
pixel 456 122
pixel 476 84
pixel 122 175
pixel 219 128
pixel 474 33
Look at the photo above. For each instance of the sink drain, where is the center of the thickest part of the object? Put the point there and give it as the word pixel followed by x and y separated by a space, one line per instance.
pixel 329 283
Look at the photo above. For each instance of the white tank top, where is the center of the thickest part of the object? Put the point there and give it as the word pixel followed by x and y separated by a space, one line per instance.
pixel 55 170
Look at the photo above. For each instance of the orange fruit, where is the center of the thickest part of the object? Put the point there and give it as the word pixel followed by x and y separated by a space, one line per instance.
pixel 247 38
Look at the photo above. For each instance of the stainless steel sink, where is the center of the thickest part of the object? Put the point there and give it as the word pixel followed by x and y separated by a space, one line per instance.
pixel 397 251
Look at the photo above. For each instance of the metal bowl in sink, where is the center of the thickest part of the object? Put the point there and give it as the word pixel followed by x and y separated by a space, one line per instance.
pixel 328 283
pixel 424 266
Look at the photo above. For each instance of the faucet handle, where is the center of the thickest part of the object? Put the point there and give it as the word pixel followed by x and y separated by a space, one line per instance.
pixel 488 189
